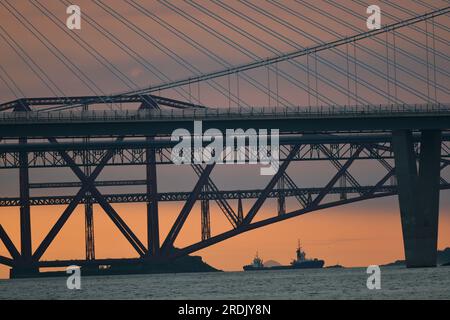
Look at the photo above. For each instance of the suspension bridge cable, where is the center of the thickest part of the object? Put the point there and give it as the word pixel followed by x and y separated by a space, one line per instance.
pixel 100 58
pixel 338 51
pixel 225 39
pixel 394 33
pixel 277 85
pixel 74 69
pixel 25 57
pixel 295 54
pixel 348 74
pixel 433 32
pixel 308 79
pixel 374 54
pixel 147 37
pixel 413 27
pixel 229 91
pixel 259 42
pixel 237 89
pixel 183 36
pixel 368 50
pixel 268 83
pixel 8 86
pixel 263 44
pixel 427 54
pixel 282 37
pixel 418 28
pixel 408 54
pixel 216 86
pixel 356 73
pixel 129 51
pixel 316 78
pixel 388 83
pixel 14 83
pixel 255 83
pixel 373 70
pixel 326 80
pixel 160 46
pixel 292 43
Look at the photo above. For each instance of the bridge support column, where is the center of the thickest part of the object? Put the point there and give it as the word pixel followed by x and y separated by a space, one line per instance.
pixel 240 211
pixel 281 201
pixel 152 204
pixel 418 193
pixel 24 267
pixel 88 207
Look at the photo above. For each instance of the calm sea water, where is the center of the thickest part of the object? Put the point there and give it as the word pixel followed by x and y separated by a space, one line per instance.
pixel 396 283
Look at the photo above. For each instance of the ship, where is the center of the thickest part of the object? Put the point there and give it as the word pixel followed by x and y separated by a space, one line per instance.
pixel 301 262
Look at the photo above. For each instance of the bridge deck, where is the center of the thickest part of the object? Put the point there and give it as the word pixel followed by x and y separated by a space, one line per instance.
pixel 154 122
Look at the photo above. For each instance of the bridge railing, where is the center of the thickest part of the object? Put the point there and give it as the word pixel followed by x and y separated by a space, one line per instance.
pixel 221 113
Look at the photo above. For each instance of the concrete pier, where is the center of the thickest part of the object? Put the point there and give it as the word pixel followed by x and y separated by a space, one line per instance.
pixel 418 194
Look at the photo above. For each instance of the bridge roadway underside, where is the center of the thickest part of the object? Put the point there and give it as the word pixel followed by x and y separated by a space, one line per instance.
pixel 164 126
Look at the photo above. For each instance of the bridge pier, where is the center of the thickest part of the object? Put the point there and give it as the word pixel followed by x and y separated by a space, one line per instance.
pixel 418 194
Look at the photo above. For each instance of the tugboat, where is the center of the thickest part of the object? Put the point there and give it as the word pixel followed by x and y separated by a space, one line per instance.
pixel 301 262
pixel 256 265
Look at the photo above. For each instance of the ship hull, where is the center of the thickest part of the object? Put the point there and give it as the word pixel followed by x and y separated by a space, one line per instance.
pixel 313 264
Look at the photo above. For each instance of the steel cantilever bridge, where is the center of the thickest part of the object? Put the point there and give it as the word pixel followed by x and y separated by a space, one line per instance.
pixel 410 141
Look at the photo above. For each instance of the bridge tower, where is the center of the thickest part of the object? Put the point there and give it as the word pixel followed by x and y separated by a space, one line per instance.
pixel 418 194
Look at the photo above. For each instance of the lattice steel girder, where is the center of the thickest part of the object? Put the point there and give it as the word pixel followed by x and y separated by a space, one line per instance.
pixel 338 165
pixel 89 100
pixel 342 171
pixel 167 246
pixel 181 196
pixel 263 196
pixel 221 202
pixel 68 211
pixel 114 216
pixel 265 222
pixel 372 194
pixel 307 152
pixel 129 151
pixel 212 196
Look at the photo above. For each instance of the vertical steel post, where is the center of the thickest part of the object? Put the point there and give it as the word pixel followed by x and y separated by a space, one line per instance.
pixel 281 198
pixel 205 218
pixel 240 211
pixel 25 218
pixel 88 208
pixel 152 202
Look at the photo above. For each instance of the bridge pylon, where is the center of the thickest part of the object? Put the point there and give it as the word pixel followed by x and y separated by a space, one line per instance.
pixel 418 194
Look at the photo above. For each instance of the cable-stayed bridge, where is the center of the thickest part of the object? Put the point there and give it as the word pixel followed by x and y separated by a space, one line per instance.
pixel 377 97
